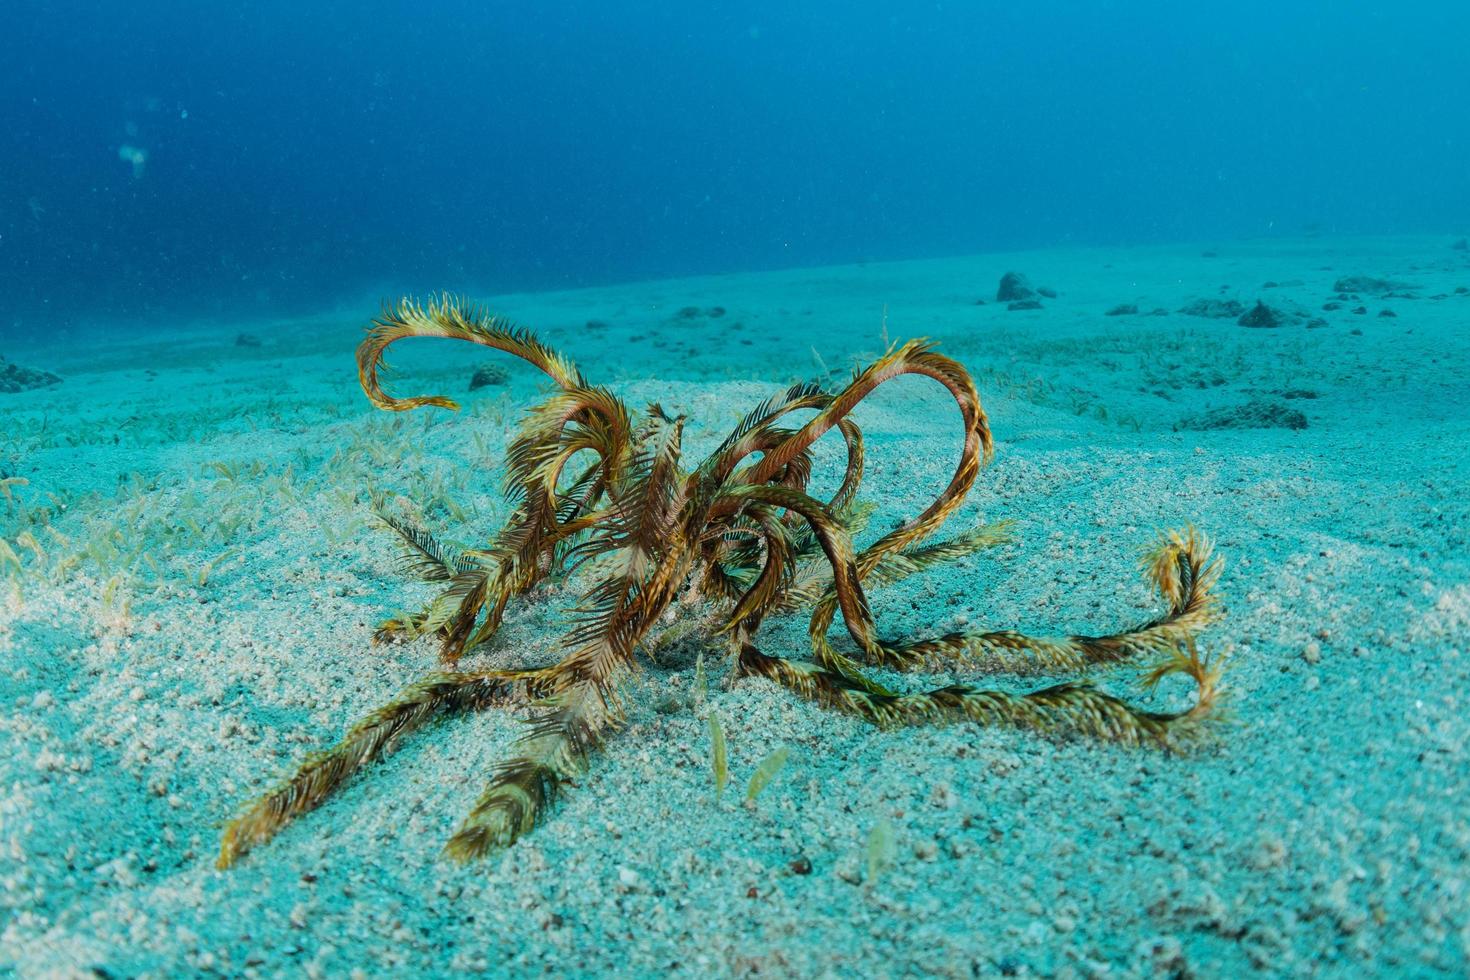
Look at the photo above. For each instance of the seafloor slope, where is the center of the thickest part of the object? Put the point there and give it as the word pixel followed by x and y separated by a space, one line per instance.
pixel 190 583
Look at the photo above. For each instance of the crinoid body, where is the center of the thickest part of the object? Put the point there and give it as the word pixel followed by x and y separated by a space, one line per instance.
pixel 722 545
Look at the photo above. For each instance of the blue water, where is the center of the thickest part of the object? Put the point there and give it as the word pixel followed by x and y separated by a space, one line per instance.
pixel 178 159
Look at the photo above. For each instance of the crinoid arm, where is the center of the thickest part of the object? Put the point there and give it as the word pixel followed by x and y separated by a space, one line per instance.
pixel 1180 565
pixel 564 732
pixel 422 555
pixel 1073 707
pixel 449 316
pixel 520 793
pixel 913 358
pixel 366 742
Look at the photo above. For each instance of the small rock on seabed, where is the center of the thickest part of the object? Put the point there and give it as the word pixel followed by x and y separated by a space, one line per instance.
pixel 14 378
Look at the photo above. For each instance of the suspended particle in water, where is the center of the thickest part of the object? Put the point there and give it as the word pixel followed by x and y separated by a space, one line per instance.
pixel 135 155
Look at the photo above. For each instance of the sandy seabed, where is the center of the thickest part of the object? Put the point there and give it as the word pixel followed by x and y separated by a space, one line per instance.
pixel 191 582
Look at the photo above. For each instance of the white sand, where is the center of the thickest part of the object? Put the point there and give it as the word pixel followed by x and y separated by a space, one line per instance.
pixel 1326 834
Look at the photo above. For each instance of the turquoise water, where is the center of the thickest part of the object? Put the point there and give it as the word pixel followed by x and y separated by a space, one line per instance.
pixel 172 161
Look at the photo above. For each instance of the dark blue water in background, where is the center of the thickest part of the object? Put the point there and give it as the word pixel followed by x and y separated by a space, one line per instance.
pixel 297 153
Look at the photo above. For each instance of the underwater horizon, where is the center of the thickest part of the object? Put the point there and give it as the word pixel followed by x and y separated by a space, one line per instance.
pixel 174 160
pixel 933 490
